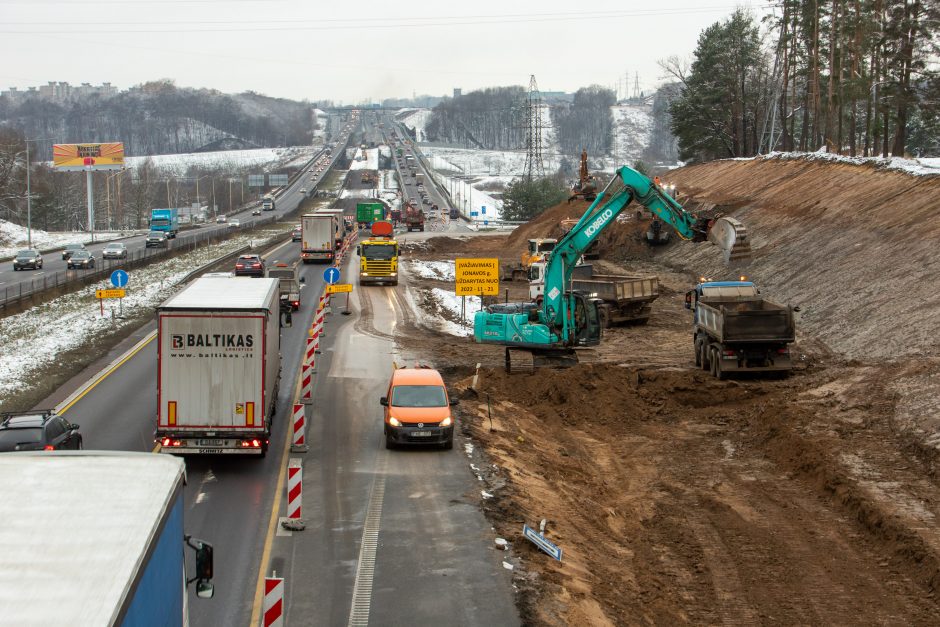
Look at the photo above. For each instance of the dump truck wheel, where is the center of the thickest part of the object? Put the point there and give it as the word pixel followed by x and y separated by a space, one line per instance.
pixel 703 357
pixel 713 362
pixel 719 373
pixel 698 354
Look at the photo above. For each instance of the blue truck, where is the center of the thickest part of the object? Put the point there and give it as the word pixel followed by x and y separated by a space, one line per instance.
pixel 166 220
pixel 97 538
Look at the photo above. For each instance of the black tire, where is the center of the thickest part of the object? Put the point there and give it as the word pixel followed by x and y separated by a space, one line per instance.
pixel 448 445
pixel 264 449
pixel 604 314
pixel 719 373
pixel 713 362
pixel 15 269
pixel 703 357
pixel 389 443
pixel 81 444
pixel 698 354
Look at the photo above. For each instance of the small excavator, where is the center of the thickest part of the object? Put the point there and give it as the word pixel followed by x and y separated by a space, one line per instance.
pixel 585 187
pixel 568 319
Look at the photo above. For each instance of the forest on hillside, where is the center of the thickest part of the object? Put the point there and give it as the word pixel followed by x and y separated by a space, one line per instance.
pixel 161 118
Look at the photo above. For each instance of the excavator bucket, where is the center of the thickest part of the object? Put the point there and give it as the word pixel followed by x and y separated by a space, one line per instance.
pixel 730 235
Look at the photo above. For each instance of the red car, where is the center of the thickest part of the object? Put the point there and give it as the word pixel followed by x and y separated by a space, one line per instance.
pixel 249 265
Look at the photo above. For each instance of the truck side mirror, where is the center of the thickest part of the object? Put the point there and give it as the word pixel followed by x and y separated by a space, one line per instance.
pixel 454 402
pixel 688 300
pixel 303 279
pixel 204 567
pixel 383 401
pixel 359 250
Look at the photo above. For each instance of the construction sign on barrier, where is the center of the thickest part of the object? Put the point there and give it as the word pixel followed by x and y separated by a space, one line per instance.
pixel 119 293
pixel 338 288
pixel 477 276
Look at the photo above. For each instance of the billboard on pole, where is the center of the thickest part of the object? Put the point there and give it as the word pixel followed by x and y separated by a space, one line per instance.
pixel 256 180
pixel 277 180
pixel 81 157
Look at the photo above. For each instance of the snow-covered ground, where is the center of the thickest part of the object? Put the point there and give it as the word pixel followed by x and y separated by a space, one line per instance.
pixel 633 131
pixel 13 238
pixel 484 162
pixel 227 159
pixel 370 159
pixel 440 270
pixel 440 309
pixel 30 340
pixel 466 197
pixel 916 167
pixel 416 119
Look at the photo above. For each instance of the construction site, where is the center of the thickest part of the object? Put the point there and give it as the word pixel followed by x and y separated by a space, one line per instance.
pixel 801 493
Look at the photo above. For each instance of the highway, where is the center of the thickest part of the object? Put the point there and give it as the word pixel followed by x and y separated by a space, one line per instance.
pixel 434 562
pixel 287 201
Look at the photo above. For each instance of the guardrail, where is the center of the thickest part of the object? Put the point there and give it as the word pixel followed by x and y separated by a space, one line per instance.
pixel 65 280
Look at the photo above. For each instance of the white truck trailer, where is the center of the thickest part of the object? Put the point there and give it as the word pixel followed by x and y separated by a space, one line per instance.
pixel 96 538
pixel 338 223
pixel 317 238
pixel 219 366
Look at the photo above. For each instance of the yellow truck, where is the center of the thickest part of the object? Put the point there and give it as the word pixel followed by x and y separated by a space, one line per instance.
pixel 378 256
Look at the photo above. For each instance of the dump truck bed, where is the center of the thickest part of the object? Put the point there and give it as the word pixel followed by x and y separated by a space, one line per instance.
pixel 747 321
pixel 615 288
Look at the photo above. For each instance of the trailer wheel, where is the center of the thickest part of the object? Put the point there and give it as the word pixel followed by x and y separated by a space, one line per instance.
pixel 703 357
pixel 698 354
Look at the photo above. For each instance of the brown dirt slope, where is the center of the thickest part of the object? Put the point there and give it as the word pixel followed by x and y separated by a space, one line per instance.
pixel 856 247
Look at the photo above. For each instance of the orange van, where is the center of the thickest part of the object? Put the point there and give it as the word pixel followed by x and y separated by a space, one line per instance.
pixel 417 409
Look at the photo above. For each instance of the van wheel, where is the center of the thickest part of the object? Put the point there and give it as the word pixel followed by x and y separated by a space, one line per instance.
pixel 389 443
pixel 448 445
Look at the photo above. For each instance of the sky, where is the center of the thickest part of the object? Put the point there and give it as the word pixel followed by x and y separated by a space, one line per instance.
pixel 349 51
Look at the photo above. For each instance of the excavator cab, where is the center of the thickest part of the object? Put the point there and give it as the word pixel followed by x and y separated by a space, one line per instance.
pixel 587 320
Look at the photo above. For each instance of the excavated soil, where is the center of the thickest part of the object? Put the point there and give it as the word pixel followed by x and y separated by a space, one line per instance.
pixel 681 499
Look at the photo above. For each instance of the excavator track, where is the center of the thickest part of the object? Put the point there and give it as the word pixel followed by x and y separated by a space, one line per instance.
pixel 730 235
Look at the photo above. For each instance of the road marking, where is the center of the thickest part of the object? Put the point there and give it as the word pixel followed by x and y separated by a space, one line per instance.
pixel 365 571
pixel 80 393
pixel 273 521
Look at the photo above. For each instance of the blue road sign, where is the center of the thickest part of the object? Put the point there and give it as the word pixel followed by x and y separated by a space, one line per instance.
pixel 474 213
pixel 331 275
pixel 483 209
pixel 540 541
pixel 486 222
pixel 118 278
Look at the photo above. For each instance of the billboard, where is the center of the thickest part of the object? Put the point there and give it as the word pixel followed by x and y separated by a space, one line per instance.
pixel 256 180
pixel 80 157
pixel 277 180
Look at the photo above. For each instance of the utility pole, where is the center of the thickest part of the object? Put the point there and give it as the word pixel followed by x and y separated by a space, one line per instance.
pixel 29 206
pixel 533 133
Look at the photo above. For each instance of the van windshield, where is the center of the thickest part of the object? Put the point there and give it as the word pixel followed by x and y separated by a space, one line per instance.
pixel 418 396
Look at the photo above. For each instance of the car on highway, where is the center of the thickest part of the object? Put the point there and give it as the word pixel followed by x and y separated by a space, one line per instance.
pixel 303 190
pixel 81 259
pixel 38 431
pixel 256 212
pixel 296 235
pixel 156 239
pixel 70 249
pixel 114 250
pixel 234 223
pixel 28 258
pixel 417 409
pixel 249 265
pixel 221 220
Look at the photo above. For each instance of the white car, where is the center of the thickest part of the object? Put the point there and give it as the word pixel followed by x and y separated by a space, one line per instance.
pixel 234 223
pixel 303 190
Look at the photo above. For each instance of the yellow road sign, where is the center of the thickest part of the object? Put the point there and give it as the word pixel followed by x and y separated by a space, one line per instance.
pixel 338 288
pixel 119 293
pixel 477 276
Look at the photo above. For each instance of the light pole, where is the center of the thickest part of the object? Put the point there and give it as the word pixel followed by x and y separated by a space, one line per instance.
pixel 107 184
pixel 29 196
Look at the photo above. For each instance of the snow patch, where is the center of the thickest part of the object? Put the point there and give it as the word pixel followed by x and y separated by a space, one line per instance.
pixel 13 237
pixel 439 270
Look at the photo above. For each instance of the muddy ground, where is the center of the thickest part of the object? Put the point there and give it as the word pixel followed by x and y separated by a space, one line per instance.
pixel 678 498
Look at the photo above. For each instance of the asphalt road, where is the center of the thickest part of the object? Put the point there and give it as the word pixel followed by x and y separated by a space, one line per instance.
pixel 287 201
pixel 228 499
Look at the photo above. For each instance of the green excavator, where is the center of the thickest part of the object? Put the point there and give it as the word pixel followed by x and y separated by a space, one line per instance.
pixel 568 319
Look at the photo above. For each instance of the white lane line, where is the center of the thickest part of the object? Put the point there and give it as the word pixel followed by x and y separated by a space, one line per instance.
pixel 365 571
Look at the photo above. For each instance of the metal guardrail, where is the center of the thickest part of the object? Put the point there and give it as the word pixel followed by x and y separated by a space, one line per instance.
pixel 70 279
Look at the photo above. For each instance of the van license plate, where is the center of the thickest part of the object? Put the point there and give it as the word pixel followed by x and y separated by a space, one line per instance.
pixel 422 434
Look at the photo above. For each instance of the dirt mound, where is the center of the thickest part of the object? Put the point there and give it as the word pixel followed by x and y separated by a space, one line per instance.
pixel 854 246
pixel 681 499
pixel 546 223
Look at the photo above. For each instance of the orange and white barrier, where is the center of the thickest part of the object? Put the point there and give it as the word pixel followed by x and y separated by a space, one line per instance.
pixel 294 488
pixel 273 606
pixel 306 384
pixel 299 422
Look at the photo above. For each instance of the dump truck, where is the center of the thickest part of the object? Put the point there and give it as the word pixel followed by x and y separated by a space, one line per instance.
pixel 317 238
pixel 734 329
pixel 218 366
pixel 369 212
pixel 97 538
pixel 414 217
pixel 378 256
pixel 288 285
pixel 268 203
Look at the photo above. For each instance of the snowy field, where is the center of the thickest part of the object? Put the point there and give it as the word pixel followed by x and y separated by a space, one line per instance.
pixel 227 159
pixel 439 270
pixel 507 163
pixel 416 120
pixel 915 167
pixel 370 159
pixel 633 131
pixel 467 198
pixel 29 341
pixel 13 238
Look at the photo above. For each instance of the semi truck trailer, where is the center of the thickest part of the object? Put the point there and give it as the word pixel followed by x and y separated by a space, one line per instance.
pixel 317 238
pixel 219 366
pixel 97 538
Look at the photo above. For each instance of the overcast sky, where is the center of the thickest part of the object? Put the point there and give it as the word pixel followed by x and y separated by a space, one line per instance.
pixel 349 51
